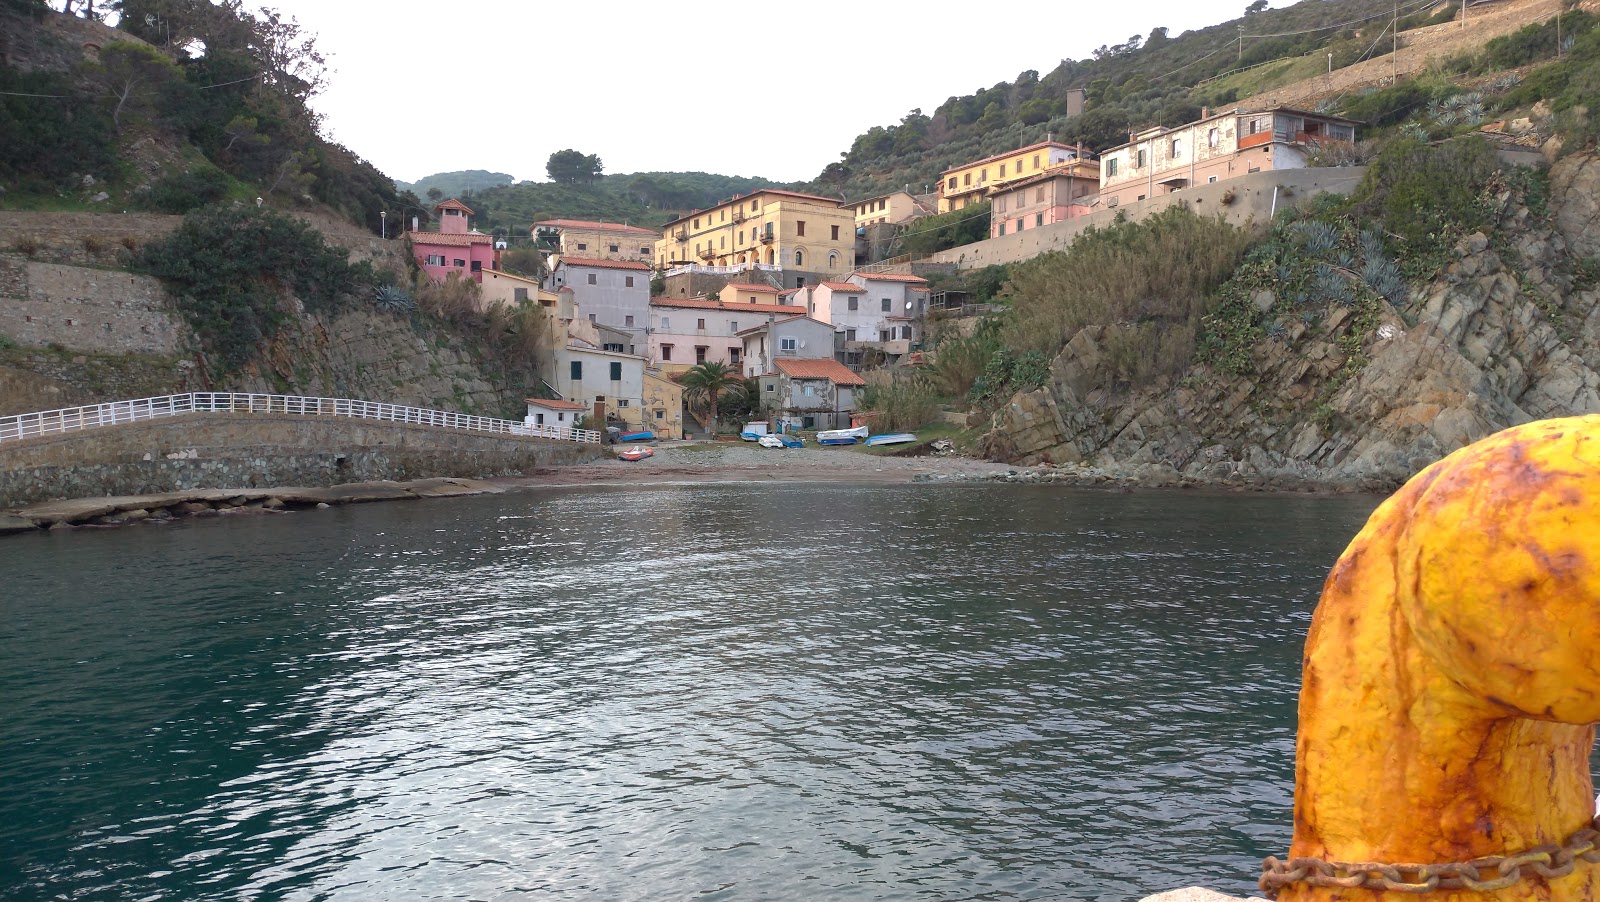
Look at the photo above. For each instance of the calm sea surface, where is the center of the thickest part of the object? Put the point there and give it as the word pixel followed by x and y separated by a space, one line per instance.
pixel 711 692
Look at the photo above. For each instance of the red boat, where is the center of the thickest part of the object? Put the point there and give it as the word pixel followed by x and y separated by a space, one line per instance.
pixel 637 452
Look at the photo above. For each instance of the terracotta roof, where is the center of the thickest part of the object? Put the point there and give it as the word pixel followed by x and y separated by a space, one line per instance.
pixel 843 286
pixel 735 306
pixel 452 204
pixel 751 286
pixel 1059 171
pixel 829 369
pixel 741 198
pixel 602 264
pixel 774 322
pixel 442 238
pixel 556 405
pixel 597 226
pixel 1009 153
pixel 889 277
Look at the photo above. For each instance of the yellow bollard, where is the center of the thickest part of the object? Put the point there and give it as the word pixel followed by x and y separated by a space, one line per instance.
pixel 1451 682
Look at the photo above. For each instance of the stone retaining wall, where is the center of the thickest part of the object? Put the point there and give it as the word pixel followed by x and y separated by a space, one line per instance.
pixel 86 309
pixel 259 451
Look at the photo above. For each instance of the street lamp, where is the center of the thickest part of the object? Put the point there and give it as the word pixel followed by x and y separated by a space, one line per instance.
pixel 383 223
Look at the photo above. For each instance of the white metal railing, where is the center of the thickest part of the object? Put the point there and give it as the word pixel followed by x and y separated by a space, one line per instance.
pixel 720 270
pixel 73 419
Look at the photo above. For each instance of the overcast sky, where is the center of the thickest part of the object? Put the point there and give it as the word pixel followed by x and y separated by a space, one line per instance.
pixel 752 89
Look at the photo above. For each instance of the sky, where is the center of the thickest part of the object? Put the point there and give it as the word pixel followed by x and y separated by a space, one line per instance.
pixel 776 90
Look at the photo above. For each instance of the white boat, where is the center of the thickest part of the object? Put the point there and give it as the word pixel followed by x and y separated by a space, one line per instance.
pixel 770 441
pixel 891 438
pixel 842 436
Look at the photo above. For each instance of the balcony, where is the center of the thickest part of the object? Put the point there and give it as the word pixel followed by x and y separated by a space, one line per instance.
pixel 708 254
pixel 680 237
pixel 768 238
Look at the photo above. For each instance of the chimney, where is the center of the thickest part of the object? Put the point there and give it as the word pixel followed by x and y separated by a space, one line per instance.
pixel 1205 112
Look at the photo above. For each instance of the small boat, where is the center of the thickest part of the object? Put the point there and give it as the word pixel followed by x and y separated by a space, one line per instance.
pixel 636 437
pixel 780 441
pixel 891 438
pixel 752 436
pixel 842 436
pixel 639 453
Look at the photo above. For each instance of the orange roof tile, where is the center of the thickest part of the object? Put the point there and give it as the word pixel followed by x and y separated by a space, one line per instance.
pixel 828 368
pixel 843 286
pixel 751 286
pixel 441 238
pixel 1080 149
pixel 597 226
pixel 603 264
pixel 735 306
pixel 556 405
pixel 452 204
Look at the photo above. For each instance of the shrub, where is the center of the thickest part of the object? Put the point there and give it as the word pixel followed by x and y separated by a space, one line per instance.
pixel 958 362
pixel 902 400
pixel 1535 41
pixel 1428 194
pixel 230 269
pixel 181 192
pixel 947 230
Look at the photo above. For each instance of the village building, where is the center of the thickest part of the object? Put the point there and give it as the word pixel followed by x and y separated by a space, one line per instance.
pixel 686 332
pixel 800 238
pixel 894 208
pixel 750 293
pixel 1215 148
pixel 596 240
pixel 1055 195
pixel 792 337
pixel 970 183
pixel 810 394
pixel 878 317
pixel 662 410
pixel 456 247
pixel 614 293
pixel 553 417
pixel 503 289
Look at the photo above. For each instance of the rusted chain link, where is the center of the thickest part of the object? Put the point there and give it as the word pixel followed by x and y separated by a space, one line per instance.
pixel 1484 875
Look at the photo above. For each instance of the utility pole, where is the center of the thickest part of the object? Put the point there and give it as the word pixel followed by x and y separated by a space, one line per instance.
pixel 1394 35
pixel 1241 43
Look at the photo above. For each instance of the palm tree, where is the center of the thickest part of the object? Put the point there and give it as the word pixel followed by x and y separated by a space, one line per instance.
pixel 706 382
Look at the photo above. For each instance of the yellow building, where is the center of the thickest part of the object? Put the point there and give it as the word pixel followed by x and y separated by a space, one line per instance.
pixel 749 293
pixel 662 411
pixel 596 240
pixel 803 237
pixel 970 183
pixel 894 208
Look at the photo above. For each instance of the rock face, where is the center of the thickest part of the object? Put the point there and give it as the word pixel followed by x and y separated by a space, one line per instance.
pixel 1504 335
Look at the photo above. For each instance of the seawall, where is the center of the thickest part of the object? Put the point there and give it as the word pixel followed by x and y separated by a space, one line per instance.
pixel 260 451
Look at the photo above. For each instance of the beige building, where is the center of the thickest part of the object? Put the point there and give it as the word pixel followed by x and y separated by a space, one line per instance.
pixel 1213 149
pixel 894 208
pixel 970 183
pixel 596 240
pixel 1052 196
pixel 501 288
pixel 749 293
pixel 801 237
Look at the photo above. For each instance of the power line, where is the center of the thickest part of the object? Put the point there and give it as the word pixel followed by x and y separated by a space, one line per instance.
pixel 196 87
pixel 1286 34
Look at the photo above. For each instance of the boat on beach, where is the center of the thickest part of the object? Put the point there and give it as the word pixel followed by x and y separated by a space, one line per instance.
pixel 780 441
pixel 637 437
pixel 842 436
pixel 639 453
pixel 891 438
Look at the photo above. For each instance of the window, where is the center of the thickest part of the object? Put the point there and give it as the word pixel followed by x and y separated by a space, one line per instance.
pixel 1111 166
pixel 966 179
pixel 627 321
pixel 724 216
pixel 852 303
pixel 905 332
pixel 835 233
pixel 645 251
pixel 539 419
pixel 833 259
pixel 1019 223
pixel 755 205
pixel 612 346
pixel 621 402
pixel 887 305
pixel 849 335
pixel 591 317
pixel 1002 170
pixel 699 353
pixel 788 344
pixel 1002 228
pixel 666 352
pixel 800 282
pixel 700 324
pixel 733 355
pixel 616 371
pixel 952 183
pixel 1211 179
pixel 460 263
pixel 577 371
pixel 1036 161
pixel 1038 196
pixel 811 390
pixel 1038 219
pixel 628 282
pixel 882 203
pixel 1177 148
pixel 591 279
pixel 800 227
pixel 582 246
pixel 772 386
pixel 799 258
pixel 519 295
pixel 1255 126
pixel 666 322
pixel 883 334
pixel 1000 204
pixel 1140 164
pixel 1211 138
pixel 1140 197
pixel 660 414
pixel 697 223
pixel 808 422
pixel 723 241
pixel 612 248
pixel 435 259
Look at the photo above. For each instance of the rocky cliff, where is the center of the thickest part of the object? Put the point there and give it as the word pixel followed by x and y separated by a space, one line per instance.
pixel 1507 332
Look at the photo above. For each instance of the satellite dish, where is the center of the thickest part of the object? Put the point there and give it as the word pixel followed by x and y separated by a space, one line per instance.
pixel 908 305
pixel 802 343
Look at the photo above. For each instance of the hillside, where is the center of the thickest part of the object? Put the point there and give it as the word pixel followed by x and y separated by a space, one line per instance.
pixel 1162 80
pixel 454 184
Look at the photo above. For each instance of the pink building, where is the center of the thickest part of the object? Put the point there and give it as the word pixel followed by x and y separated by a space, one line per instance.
pixel 1056 195
pixel 455 247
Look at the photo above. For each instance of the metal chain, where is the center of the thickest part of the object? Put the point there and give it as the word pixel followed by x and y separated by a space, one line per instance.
pixel 1484 875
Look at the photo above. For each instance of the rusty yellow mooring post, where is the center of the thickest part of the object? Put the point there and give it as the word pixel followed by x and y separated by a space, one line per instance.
pixel 1451 684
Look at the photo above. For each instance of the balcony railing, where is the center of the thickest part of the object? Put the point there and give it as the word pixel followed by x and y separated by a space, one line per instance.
pixel 720 270
pixel 116 413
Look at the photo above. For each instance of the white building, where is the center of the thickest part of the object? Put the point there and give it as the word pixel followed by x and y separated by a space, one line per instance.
pixel 689 331
pixel 613 293
pixel 793 337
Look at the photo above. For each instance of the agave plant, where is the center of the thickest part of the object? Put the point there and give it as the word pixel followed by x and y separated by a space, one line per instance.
pixel 1371 241
pixel 1332 287
pixel 393 299
pixel 1384 277
pixel 1316 236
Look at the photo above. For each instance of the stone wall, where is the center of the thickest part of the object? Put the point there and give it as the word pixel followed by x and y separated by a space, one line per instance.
pixel 86 309
pixel 260 451
pixel 1240 200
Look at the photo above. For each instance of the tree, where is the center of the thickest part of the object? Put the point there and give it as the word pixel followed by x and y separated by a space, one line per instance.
pixel 435 195
pixel 568 167
pixel 706 383
pixel 132 74
pixel 1255 7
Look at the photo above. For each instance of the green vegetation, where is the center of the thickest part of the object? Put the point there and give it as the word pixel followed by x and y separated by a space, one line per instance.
pixel 571 167
pixel 646 199
pixel 230 268
pixel 704 386
pixel 902 399
pixel 455 184
pixel 1571 87
pixel 946 230
pixel 1427 196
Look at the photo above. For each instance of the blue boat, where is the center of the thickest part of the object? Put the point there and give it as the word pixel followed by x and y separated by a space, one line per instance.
pixel 637 437
pixel 841 436
pixel 891 438
pixel 847 440
pixel 790 441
